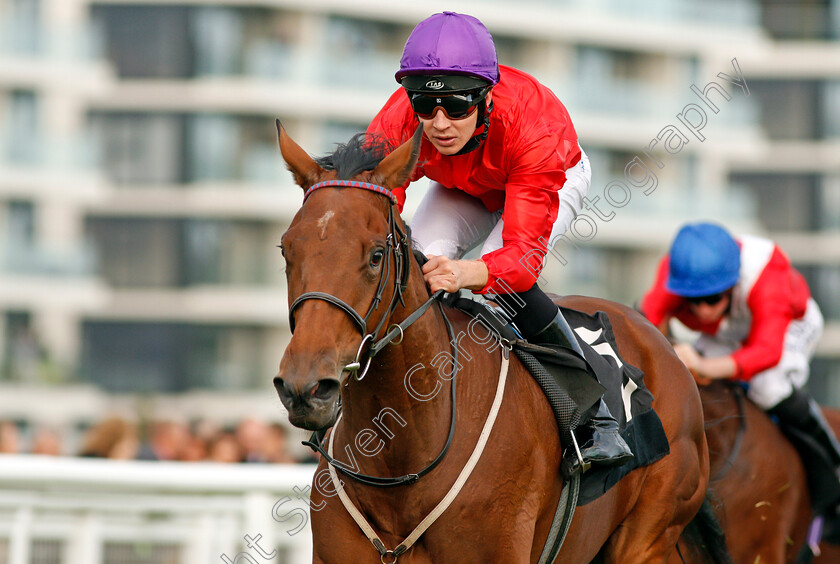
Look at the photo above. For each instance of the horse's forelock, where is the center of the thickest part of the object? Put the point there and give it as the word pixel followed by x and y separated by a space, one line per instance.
pixel 363 152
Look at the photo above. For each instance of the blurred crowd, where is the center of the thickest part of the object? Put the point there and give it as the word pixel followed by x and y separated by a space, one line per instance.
pixel 251 440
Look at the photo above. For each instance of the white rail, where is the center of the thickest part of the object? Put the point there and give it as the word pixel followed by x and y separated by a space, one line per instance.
pixel 88 511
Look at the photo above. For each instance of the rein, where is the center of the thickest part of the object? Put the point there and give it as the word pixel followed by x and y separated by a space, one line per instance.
pixel 738 392
pixel 400 253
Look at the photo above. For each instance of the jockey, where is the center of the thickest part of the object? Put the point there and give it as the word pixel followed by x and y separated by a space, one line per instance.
pixel 758 325
pixel 506 170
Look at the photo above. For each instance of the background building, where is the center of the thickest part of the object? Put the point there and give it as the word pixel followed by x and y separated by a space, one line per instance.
pixel 142 193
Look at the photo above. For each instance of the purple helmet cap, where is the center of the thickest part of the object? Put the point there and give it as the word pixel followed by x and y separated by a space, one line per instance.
pixel 450 43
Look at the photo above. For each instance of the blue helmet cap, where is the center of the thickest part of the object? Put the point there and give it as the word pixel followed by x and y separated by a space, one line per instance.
pixel 705 260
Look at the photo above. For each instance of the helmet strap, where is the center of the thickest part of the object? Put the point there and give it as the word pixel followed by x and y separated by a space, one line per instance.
pixel 483 119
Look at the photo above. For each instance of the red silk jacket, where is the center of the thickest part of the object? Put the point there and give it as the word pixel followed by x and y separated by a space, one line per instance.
pixel 519 168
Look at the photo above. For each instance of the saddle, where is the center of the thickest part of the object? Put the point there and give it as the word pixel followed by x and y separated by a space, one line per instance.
pixel 573 386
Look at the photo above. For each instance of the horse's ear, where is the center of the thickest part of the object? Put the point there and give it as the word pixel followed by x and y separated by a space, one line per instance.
pixel 304 168
pixel 397 167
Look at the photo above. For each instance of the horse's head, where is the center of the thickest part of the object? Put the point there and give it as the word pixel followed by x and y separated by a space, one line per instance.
pixel 343 264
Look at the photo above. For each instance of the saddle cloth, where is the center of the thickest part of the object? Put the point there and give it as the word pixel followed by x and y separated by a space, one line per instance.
pixel 569 378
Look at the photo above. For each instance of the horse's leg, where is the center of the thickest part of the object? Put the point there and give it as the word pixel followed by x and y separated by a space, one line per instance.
pixel 651 530
pixel 648 535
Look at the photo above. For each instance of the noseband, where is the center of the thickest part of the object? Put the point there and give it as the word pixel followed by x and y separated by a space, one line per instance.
pixel 397 246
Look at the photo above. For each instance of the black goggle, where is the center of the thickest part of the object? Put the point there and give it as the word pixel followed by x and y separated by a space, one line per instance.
pixel 455 106
pixel 710 299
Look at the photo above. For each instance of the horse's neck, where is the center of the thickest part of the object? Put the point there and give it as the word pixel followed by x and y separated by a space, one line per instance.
pixel 403 400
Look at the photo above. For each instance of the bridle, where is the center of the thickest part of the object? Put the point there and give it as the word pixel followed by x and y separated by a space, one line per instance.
pixel 396 245
pixel 399 252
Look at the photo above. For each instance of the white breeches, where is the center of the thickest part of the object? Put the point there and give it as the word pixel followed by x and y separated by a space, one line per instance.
pixel 451 222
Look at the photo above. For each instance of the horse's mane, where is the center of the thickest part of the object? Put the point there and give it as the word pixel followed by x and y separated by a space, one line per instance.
pixel 361 153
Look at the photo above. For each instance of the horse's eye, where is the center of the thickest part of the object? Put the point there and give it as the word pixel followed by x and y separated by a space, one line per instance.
pixel 376 257
pixel 282 250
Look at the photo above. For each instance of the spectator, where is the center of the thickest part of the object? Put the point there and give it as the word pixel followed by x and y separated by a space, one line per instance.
pixel 167 441
pixel 275 447
pixel 252 435
pixel 112 438
pixel 195 450
pixel 47 442
pixel 224 448
pixel 251 440
pixel 205 429
pixel 9 438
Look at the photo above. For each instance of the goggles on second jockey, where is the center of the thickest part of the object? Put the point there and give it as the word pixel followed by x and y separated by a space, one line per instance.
pixel 712 299
pixel 455 106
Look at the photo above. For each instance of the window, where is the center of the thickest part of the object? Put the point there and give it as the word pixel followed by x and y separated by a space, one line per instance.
pixel 224 252
pixel 141 148
pixel 805 19
pixel 789 109
pixel 159 253
pixel 22 129
pixel 826 290
pixel 21 31
pixel 147 41
pixel 786 202
pixel 20 230
pixel 217 34
pixel 22 351
pixel 362 54
pixel 160 357
pixel 137 252
pixel 226 147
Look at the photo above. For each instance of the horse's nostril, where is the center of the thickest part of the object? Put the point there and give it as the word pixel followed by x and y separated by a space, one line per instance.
pixel 320 390
pixel 326 389
pixel 282 389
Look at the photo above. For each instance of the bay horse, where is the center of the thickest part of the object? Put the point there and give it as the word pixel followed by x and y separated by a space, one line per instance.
pixel 393 409
pixel 830 553
pixel 757 481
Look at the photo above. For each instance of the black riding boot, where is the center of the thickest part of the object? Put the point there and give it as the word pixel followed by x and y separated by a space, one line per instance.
pixel 607 447
pixel 801 419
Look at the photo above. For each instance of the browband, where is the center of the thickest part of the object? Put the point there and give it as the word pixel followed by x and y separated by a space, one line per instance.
pixel 352 184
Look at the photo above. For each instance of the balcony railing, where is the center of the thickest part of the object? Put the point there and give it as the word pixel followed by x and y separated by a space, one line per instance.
pixel 76 261
pixel 28 37
pixel 730 13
